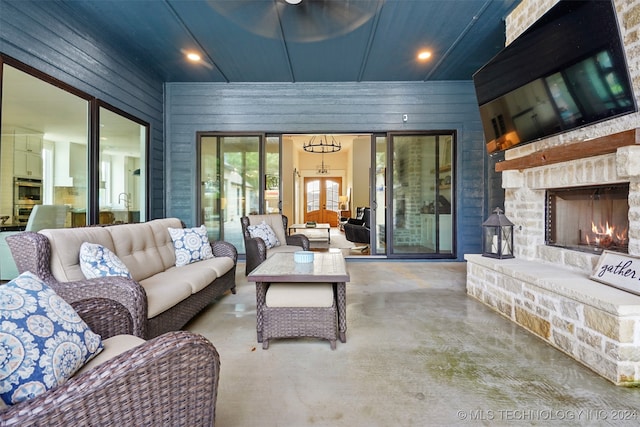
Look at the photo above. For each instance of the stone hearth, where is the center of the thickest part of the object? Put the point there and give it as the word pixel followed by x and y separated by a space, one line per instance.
pixel 595 324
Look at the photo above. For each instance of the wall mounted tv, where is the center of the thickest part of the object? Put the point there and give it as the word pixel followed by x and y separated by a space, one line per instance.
pixel 566 71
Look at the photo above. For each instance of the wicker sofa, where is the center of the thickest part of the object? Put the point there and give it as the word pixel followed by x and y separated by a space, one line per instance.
pixel 171 380
pixel 159 298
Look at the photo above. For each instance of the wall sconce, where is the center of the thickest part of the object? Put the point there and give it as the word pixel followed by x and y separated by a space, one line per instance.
pixel 497 239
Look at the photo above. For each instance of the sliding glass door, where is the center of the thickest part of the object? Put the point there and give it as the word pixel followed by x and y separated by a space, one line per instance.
pixel 230 177
pixel 422 192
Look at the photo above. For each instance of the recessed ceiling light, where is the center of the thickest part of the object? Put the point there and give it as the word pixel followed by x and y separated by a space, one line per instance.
pixel 293 1
pixel 424 55
pixel 192 56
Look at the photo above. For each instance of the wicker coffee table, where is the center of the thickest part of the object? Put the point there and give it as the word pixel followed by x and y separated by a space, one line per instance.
pixel 289 322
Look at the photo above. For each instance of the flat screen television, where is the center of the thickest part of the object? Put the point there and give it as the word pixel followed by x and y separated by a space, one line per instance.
pixel 566 71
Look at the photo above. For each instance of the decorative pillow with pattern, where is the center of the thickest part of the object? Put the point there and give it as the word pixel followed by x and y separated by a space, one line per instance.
pixel 265 232
pixel 191 244
pixel 43 341
pixel 98 261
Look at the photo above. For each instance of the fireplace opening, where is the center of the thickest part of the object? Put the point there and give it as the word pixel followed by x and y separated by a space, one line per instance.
pixel 589 219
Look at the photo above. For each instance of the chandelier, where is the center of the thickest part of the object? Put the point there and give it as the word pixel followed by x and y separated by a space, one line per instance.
pixel 322 169
pixel 321 145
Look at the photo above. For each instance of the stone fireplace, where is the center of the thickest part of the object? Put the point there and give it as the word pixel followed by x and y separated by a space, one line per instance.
pixel 589 219
pixel 546 289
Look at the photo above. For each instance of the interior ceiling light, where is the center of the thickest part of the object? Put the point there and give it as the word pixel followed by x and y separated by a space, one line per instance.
pixel 424 55
pixel 293 1
pixel 193 56
pixel 321 145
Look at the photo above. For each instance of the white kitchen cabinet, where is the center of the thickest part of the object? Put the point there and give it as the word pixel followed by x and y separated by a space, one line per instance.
pixel 27 156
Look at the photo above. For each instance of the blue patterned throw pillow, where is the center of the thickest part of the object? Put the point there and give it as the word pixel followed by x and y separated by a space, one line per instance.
pixel 191 244
pixel 43 341
pixel 98 261
pixel 265 232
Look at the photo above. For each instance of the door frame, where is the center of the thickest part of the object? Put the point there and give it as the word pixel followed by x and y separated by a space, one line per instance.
pixel 333 222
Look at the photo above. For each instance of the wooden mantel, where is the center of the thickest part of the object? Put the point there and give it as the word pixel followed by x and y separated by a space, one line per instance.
pixel 573 151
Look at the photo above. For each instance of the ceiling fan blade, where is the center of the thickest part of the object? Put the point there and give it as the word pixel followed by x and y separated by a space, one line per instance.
pixel 308 21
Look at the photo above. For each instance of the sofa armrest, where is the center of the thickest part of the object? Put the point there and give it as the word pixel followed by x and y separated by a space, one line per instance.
pixel 221 248
pixel 354 221
pixel 299 240
pixel 110 305
pixel 169 380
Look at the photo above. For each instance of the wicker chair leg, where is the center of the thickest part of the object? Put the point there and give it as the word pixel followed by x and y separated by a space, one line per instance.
pixel 333 344
pixel 265 344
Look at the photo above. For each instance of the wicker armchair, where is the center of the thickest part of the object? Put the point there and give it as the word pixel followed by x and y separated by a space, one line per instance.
pixel 256 249
pixel 171 380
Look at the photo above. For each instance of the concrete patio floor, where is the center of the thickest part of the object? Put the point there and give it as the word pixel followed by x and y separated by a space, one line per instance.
pixel 419 352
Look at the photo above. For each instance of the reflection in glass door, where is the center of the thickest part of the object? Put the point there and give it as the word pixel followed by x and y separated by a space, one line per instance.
pixel 122 170
pixel 230 184
pixel 272 200
pixel 422 195
pixel 43 141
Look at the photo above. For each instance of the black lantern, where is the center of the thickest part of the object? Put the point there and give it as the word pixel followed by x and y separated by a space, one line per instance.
pixel 497 239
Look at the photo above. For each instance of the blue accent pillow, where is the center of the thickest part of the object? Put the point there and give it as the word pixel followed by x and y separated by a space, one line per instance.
pixel 265 232
pixel 43 341
pixel 98 261
pixel 191 244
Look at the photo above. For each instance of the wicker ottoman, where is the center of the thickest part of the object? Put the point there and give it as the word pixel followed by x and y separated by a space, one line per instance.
pixel 294 310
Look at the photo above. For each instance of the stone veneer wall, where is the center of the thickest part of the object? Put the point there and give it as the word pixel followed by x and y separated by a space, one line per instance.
pixel 525 190
pixel 547 290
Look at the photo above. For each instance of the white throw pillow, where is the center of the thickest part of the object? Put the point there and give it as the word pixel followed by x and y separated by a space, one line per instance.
pixel 191 244
pixel 265 232
pixel 98 261
pixel 43 340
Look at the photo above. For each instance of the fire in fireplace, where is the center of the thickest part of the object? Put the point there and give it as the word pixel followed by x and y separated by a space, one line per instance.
pixel 589 219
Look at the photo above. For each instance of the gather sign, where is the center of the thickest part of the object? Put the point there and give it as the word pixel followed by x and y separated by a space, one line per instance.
pixel 618 270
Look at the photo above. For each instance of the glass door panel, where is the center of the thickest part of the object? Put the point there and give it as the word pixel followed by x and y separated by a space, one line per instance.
pixel 44 140
pixel 422 195
pixel 380 195
pixel 122 169
pixel 272 199
pixel 210 202
pixel 230 184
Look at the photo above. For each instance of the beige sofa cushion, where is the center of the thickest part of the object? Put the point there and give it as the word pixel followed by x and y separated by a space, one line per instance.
pixel 163 292
pixel 274 221
pixel 65 249
pixel 166 289
pixel 112 347
pixel 146 249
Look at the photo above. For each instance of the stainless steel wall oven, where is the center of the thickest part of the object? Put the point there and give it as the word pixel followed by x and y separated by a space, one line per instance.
pixel 26 194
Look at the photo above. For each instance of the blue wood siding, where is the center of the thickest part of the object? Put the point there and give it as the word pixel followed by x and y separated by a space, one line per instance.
pixel 326 107
pixel 45 36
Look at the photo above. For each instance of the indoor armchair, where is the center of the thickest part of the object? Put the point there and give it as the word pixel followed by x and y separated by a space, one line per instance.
pixel 357 230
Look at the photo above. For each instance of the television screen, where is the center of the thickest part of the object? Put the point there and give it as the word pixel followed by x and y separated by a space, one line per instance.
pixel 566 71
